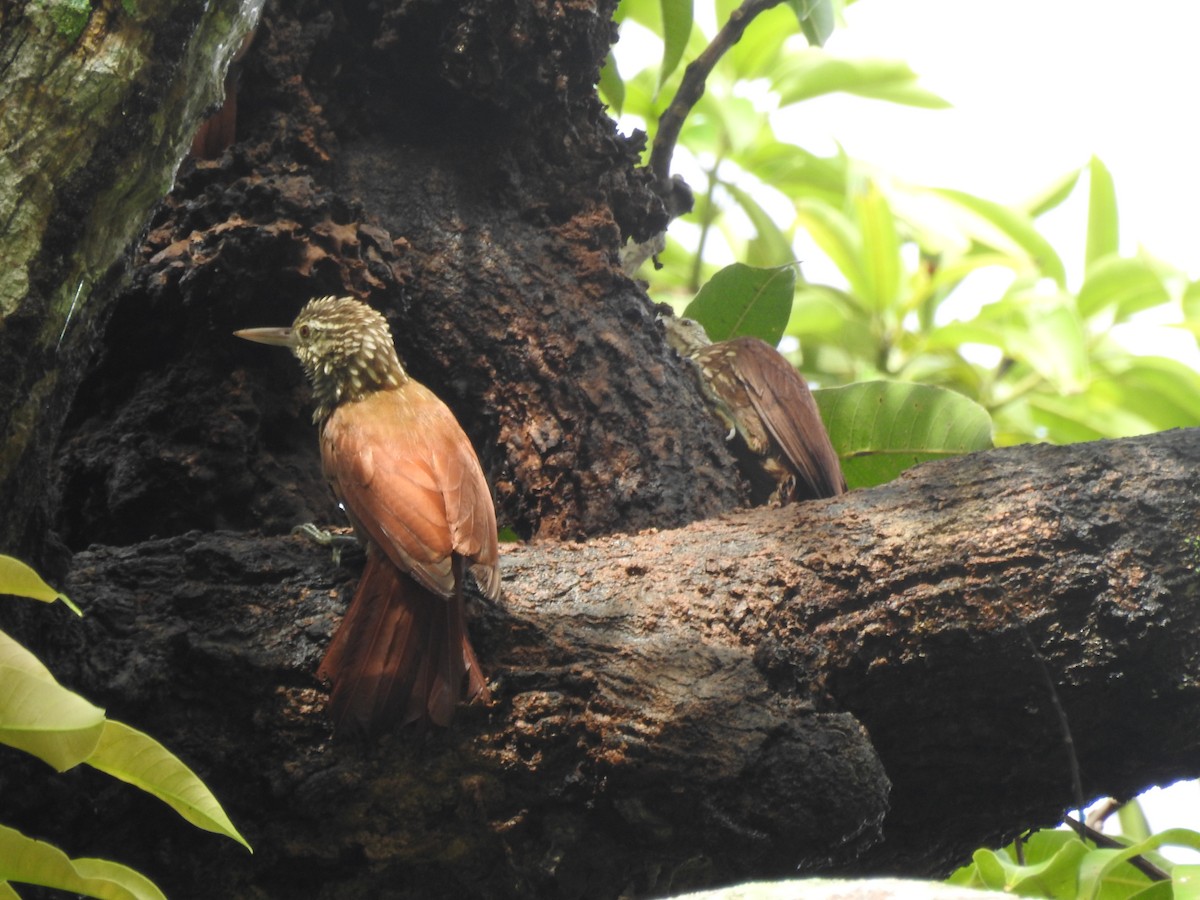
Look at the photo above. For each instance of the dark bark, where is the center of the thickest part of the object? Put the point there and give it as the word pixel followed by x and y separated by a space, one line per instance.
pixel 852 685
pixel 384 156
pixel 96 110
pixel 856 684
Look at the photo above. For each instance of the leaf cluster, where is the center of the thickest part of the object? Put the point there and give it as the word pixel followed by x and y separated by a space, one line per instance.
pixel 41 717
pixel 932 284
pixel 1060 865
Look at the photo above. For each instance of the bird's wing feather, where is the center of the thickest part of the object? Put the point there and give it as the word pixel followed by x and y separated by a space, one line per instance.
pixel 786 406
pixel 411 482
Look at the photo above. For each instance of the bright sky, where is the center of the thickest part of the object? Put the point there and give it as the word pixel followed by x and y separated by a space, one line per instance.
pixel 1038 87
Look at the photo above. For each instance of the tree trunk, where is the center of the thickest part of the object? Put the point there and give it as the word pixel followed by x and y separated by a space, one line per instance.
pixel 867 683
pixel 879 682
pixel 96 111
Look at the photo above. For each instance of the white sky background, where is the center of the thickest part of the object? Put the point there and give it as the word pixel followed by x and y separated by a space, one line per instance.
pixel 1038 87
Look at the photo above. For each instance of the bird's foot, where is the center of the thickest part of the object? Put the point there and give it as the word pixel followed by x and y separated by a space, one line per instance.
pixel 331 539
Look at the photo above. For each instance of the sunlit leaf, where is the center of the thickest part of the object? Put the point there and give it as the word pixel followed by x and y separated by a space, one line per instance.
pixel 813 72
pixel 1052 195
pixel 794 171
pixel 22 581
pixel 1055 344
pixel 1134 824
pixel 1163 392
pixel 1125 285
pixel 761 47
pixel 881 428
pixel 880 247
pixel 1103 236
pixel 138 759
pixel 772 247
pixel 838 239
pixel 44 718
pixel 28 861
pixel 15 656
pixel 1007 230
pixel 676 29
pixel 741 300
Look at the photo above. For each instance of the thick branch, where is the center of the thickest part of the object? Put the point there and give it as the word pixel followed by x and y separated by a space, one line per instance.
pixel 723 701
pixel 691 88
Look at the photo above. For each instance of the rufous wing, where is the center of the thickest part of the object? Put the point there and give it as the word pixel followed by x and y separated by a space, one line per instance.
pixel 412 484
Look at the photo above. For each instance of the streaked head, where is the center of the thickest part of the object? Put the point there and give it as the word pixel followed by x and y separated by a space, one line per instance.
pixel 345 347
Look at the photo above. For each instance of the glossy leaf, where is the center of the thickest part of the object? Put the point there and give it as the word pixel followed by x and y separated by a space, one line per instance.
pixel 741 300
pixel 814 72
pixel 676 30
pixel 44 718
pixel 29 861
pixel 881 428
pixel 1103 235
pixel 140 760
pixel 22 581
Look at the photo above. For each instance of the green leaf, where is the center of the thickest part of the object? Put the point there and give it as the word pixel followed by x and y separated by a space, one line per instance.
pixel 1134 824
pixel 881 428
pixel 759 51
pixel 29 861
pixel 816 19
pixel 1102 865
pixel 676 30
pixel 44 718
pixel 15 656
pixel 140 760
pixel 1186 881
pixel 814 72
pixel 836 237
pixel 1006 229
pixel 740 300
pixel 1051 196
pixel 1055 344
pixel 1103 236
pixel 770 247
pixel 1125 285
pixel 19 579
pixel 881 247
pixel 612 86
pixel 1164 393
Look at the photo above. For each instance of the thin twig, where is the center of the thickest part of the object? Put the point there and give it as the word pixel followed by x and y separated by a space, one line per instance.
pixel 1064 724
pixel 691 89
pixel 1143 865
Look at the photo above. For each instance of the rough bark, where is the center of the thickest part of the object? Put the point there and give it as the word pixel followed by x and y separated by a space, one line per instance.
pixel 452 164
pixel 859 684
pixel 96 111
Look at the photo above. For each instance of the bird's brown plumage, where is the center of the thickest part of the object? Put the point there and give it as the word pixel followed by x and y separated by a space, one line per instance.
pixel 412 486
pixel 766 402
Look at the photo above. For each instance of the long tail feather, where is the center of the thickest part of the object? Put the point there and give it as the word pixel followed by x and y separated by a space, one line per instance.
pixel 400 656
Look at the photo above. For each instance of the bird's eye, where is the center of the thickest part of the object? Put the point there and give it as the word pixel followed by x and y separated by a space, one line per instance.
pixel 304 331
